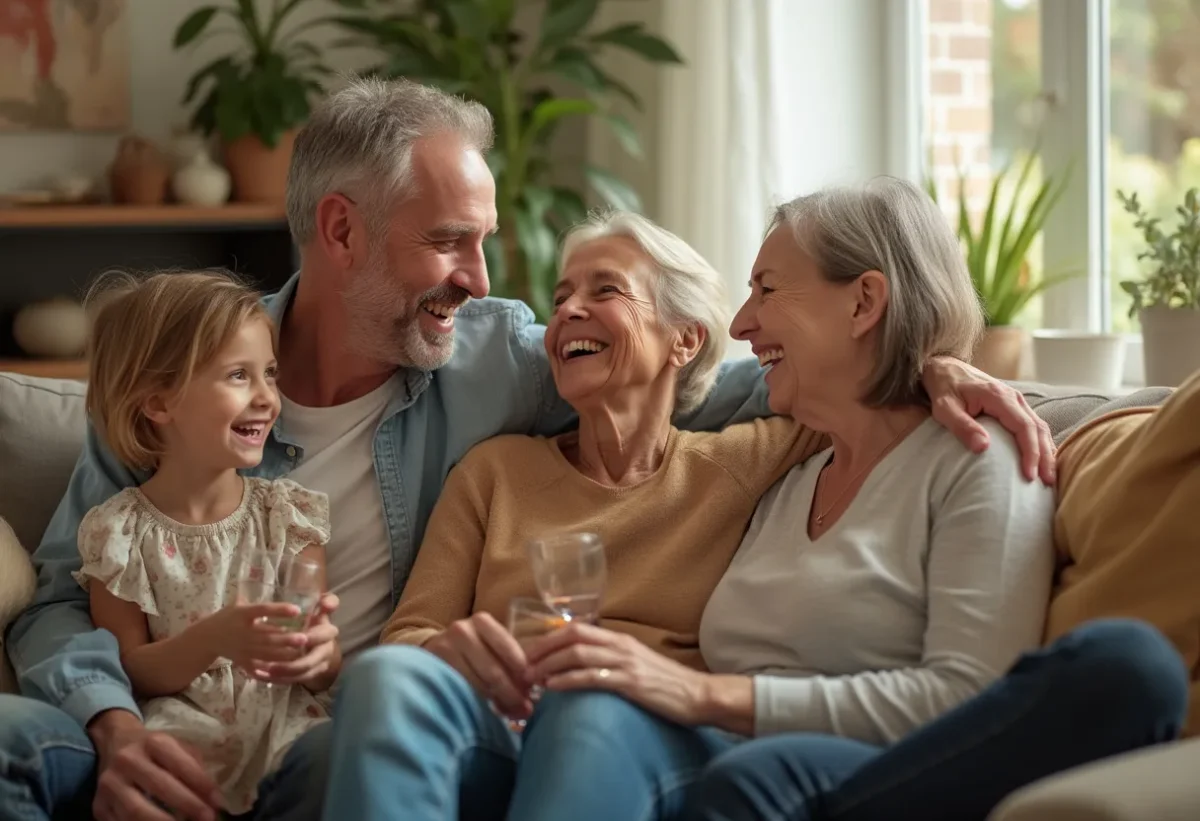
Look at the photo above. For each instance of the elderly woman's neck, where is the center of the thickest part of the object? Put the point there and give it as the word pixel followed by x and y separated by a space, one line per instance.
pixel 863 435
pixel 621 445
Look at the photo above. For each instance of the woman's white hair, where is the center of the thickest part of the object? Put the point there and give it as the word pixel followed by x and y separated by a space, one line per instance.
pixel 892 226
pixel 687 291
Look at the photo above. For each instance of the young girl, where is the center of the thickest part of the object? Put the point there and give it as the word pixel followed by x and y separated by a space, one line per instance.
pixel 182 387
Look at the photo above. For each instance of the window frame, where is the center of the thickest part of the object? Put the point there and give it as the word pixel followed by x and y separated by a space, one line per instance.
pixel 1076 95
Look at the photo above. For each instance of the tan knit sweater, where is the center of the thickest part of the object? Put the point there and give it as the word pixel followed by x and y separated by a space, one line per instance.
pixel 667 539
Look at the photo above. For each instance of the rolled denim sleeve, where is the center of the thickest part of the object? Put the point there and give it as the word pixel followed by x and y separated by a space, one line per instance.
pixel 58 654
pixel 739 395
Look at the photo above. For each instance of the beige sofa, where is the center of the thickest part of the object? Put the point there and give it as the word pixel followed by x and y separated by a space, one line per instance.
pixel 41 432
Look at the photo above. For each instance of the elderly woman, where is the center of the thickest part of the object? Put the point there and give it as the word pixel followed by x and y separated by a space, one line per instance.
pixel 635 338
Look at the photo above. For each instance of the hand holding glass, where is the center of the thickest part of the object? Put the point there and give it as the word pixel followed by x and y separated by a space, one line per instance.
pixel 293 581
pixel 528 620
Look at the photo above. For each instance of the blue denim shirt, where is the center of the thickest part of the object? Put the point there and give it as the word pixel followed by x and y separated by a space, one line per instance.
pixel 498 381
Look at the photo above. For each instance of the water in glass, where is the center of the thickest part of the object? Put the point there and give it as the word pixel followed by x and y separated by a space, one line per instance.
pixel 570 572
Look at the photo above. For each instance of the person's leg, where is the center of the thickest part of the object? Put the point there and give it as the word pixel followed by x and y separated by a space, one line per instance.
pixel 1108 687
pixel 594 755
pixel 411 739
pixel 296 790
pixel 47 762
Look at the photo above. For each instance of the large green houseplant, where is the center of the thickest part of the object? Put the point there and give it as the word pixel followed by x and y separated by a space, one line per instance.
pixel 255 96
pixel 1167 299
pixel 475 48
pixel 997 255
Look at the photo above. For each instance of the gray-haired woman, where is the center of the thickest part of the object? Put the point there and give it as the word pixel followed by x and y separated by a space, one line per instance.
pixel 867 628
pixel 635 339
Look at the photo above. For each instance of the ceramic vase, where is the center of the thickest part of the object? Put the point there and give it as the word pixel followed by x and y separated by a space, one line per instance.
pixel 201 182
pixel 56 328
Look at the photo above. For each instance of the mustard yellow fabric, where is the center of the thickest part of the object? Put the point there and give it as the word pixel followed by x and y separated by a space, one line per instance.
pixel 1127 528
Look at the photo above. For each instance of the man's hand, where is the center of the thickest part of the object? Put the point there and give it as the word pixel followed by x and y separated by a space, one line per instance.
pixel 319 664
pixel 959 392
pixel 141 772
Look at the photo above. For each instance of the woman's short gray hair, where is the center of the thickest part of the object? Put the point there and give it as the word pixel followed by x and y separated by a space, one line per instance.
pixel 687 291
pixel 892 226
pixel 359 139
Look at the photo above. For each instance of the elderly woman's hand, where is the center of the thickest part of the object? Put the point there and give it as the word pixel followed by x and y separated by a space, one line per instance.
pixel 583 657
pixel 959 392
pixel 490 659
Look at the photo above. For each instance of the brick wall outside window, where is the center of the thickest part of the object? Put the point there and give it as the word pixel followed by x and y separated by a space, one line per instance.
pixel 959 110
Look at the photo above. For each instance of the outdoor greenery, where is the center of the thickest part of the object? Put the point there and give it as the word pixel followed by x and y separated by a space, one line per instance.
pixel 1154 144
pixel 998 249
pixel 262 87
pixel 475 48
pixel 1174 281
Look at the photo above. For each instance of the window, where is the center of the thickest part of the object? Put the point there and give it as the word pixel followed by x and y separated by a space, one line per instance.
pixel 1107 88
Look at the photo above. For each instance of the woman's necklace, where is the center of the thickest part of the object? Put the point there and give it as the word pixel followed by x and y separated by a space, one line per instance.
pixel 820 520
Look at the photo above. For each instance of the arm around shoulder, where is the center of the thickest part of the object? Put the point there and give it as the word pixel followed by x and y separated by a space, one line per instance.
pixel 57 653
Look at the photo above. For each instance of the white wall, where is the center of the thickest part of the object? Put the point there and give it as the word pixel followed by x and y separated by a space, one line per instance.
pixel 158 76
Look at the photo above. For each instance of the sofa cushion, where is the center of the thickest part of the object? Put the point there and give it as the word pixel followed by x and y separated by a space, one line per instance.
pixel 1065 408
pixel 1125 525
pixel 42 426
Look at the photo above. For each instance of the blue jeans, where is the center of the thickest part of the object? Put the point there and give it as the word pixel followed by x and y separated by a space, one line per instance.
pixel 412 740
pixel 1108 687
pixel 48 769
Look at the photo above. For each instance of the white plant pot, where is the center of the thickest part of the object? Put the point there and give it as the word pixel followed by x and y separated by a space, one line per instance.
pixel 1078 358
pixel 1171 344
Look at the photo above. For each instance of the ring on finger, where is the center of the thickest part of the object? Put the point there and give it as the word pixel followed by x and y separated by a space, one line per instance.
pixel 604 672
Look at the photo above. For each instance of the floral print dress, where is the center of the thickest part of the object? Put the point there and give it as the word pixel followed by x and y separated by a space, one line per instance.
pixel 178 574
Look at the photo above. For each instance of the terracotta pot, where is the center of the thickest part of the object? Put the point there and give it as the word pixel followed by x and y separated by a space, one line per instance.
pixel 139 173
pixel 259 173
pixel 999 352
pixel 1170 344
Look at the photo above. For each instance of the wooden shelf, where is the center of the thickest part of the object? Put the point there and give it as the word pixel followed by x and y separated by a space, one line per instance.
pixel 48 368
pixel 96 216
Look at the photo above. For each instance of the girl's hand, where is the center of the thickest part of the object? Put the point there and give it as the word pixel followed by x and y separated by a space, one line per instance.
pixel 584 657
pixel 320 646
pixel 241 634
pixel 490 659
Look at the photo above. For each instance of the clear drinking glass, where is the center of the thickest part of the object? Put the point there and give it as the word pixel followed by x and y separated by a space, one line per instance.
pixel 257 581
pixel 301 586
pixel 528 620
pixel 570 572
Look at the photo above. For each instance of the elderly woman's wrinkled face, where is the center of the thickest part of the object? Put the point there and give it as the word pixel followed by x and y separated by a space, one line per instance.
pixel 604 336
pixel 806 329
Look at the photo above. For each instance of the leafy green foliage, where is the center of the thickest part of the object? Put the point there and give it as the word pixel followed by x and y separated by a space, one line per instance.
pixel 997 250
pixel 473 48
pixel 263 88
pixel 1175 280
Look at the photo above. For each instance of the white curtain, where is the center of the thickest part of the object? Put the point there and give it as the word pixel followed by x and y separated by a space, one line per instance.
pixel 721 166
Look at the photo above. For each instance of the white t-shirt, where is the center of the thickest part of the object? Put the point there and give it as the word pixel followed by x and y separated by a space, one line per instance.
pixel 925 591
pixel 339 461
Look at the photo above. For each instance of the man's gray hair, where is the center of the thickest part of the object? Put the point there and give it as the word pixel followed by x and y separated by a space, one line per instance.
pixel 687 290
pixel 892 226
pixel 359 142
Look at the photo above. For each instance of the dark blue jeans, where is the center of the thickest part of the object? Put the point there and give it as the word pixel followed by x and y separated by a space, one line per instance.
pixel 1108 687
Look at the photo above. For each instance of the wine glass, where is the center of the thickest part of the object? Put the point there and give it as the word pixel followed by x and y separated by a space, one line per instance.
pixel 529 619
pixel 570 572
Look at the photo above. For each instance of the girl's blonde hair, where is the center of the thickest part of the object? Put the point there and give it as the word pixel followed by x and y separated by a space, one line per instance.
pixel 149 335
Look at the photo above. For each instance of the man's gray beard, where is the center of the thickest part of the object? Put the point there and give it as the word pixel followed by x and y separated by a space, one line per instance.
pixel 384 324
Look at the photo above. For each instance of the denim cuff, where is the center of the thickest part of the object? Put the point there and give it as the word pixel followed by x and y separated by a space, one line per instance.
pixel 86 702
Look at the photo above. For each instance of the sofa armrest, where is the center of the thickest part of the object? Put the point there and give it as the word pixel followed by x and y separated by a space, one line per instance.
pixel 1154 784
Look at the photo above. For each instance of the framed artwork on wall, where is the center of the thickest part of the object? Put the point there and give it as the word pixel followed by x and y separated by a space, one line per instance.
pixel 64 65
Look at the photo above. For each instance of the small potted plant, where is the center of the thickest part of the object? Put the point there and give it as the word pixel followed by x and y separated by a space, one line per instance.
pixel 997 255
pixel 255 97
pixel 1167 299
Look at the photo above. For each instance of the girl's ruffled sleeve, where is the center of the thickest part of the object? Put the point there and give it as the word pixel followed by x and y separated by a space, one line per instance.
pixel 110 549
pixel 297 517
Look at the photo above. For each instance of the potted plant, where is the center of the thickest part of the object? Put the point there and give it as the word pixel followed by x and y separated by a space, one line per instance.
pixel 474 48
pixel 1167 299
pixel 255 97
pixel 997 256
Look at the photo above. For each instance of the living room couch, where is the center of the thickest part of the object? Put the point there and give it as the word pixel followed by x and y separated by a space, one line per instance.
pixel 41 433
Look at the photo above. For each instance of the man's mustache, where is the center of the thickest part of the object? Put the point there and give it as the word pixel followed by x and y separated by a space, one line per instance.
pixel 449 294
